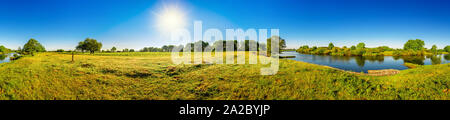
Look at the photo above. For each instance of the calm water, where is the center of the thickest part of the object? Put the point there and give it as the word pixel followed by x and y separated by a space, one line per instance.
pixel 5 58
pixel 362 64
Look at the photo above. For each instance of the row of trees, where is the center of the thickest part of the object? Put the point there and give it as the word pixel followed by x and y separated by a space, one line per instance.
pixel 205 46
pixel 245 45
pixel 92 45
pixel 411 47
pixel 165 48
pixel 4 50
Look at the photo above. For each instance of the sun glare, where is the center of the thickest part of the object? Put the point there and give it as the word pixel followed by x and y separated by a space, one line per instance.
pixel 170 18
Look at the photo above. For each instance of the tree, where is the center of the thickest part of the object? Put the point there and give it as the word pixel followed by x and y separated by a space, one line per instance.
pixel 414 44
pixel 125 50
pixel 3 49
pixel 304 47
pixel 113 49
pixel 217 44
pixel 360 46
pixel 201 46
pixel 353 47
pixel 314 47
pixel 281 45
pixel 167 48
pixel 384 48
pixel 447 48
pixel 131 50
pixel 170 48
pixel 151 49
pixel 33 46
pixel 245 45
pixel 434 49
pixel 90 45
pixel 330 46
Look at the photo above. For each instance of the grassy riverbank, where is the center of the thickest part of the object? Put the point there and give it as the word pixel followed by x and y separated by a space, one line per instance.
pixel 147 76
pixel 410 48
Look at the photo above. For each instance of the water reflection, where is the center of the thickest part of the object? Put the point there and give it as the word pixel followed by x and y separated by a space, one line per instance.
pixel 364 63
pixel 5 57
pixel 447 57
pixel 436 59
pixel 414 59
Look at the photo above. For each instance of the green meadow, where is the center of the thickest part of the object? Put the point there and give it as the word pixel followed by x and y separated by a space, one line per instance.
pixel 153 76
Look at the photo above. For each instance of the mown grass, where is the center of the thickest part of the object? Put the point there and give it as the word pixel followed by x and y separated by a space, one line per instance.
pixel 150 76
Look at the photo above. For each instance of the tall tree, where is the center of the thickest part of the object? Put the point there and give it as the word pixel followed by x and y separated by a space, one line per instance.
pixel 434 49
pixel 330 46
pixel 447 48
pixel 201 45
pixel 3 49
pixel 416 44
pixel 217 44
pixel 113 49
pixel 281 45
pixel 360 46
pixel 33 46
pixel 245 45
pixel 353 47
pixel 90 45
pixel 167 48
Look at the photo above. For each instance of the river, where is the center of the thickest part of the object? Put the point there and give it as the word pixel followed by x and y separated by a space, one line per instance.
pixel 365 63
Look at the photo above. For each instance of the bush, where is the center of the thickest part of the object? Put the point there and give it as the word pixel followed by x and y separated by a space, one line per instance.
pixel 447 48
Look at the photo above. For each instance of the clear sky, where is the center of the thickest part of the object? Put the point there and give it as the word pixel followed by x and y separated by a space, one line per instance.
pixel 136 23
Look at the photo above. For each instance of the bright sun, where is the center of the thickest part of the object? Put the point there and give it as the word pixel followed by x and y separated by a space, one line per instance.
pixel 170 18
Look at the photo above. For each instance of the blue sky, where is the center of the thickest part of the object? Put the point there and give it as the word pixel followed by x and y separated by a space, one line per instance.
pixel 131 23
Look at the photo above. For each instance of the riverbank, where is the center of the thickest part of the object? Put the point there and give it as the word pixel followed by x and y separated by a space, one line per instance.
pixel 411 48
pixel 152 76
pixel 365 63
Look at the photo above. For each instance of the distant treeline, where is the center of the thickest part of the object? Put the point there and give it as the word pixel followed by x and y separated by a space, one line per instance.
pixel 92 45
pixel 411 48
pixel 236 45
pixel 205 46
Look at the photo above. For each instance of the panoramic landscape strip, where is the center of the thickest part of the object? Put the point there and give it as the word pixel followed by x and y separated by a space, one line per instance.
pixel 224 50
pixel 88 73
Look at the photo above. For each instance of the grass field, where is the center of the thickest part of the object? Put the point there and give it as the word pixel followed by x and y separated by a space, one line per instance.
pixel 153 76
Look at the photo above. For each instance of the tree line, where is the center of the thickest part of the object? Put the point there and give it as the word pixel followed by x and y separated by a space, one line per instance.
pixel 235 45
pixel 410 48
pixel 92 45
